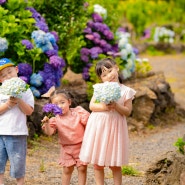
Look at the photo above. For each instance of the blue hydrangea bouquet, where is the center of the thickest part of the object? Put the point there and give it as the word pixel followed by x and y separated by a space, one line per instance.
pixel 51 110
pixel 14 87
pixel 107 92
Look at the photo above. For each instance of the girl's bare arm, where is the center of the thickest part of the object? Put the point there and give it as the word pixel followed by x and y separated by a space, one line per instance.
pixel 125 109
pixel 97 107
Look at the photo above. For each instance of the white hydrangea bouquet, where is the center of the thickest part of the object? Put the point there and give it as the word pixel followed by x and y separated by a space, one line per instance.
pixel 14 87
pixel 107 92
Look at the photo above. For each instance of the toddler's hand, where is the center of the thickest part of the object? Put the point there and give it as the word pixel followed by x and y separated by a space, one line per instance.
pixel 44 121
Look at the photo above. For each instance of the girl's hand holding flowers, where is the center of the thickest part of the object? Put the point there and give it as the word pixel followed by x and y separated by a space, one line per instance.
pixel 111 106
pixel 50 110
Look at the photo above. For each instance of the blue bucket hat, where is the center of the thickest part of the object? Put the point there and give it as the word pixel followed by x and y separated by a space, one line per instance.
pixel 5 62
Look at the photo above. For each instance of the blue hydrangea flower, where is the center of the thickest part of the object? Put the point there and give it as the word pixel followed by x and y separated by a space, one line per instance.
pixel 107 92
pixel 27 43
pixel 36 80
pixel 35 91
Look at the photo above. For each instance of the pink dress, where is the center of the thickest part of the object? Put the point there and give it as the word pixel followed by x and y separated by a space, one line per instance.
pixel 105 140
pixel 70 132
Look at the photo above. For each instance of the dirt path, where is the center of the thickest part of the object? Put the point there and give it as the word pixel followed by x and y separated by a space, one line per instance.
pixel 42 167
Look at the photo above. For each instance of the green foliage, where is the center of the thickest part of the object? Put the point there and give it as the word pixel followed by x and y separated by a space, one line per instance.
pixel 148 14
pixel 129 170
pixel 142 67
pixel 68 18
pixel 151 50
pixel 180 143
pixel 16 24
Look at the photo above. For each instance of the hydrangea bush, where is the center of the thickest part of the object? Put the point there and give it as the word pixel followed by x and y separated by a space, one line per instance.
pixel 101 40
pixel 26 40
pixel 163 34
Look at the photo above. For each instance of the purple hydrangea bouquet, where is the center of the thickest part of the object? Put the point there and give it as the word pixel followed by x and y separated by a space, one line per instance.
pixel 51 110
pixel 107 92
pixel 14 87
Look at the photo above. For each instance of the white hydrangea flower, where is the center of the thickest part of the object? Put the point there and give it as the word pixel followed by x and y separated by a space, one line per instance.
pixel 13 87
pixel 100 10
pixel 3 44
pixel 107 92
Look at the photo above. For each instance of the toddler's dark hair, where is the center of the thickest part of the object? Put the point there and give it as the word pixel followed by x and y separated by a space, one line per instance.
pixel 66 93
pixel 108 63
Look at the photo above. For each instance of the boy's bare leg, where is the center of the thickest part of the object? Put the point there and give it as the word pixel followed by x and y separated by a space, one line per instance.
pixel 1 178
pixel 20 181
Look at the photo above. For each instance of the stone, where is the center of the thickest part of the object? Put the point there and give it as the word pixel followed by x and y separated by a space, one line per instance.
pixel 169 169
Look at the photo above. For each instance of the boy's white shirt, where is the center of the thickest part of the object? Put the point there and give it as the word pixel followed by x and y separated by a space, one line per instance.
pixel 14 121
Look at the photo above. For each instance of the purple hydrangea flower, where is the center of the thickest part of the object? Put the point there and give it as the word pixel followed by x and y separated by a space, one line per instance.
pixel 84 51
pixel 2 2
pixel 84 58
pixel 55 47
pixel 42 26
pixel 55 34
pixel 51 110
pixel 85 73
pixel 57 61
pixel 95 51
pixel 97 18
pixel 50 53
pixel 88 30
pixel 24 78
pixel 96 35
pixel 90 24
pixel 108 34
pixel 25 69
pixel 27 43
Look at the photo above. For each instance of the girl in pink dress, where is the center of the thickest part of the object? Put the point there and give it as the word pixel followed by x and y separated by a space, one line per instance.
pixel 105 140
pixel 70 126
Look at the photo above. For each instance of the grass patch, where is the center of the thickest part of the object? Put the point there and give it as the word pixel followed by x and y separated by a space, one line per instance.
pixel 129 170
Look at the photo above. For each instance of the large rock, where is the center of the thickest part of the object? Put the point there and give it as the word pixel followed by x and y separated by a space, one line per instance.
pixel 169 169
pixel 153 98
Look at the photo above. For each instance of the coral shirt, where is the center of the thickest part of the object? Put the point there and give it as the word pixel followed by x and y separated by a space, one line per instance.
pixel 71 127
